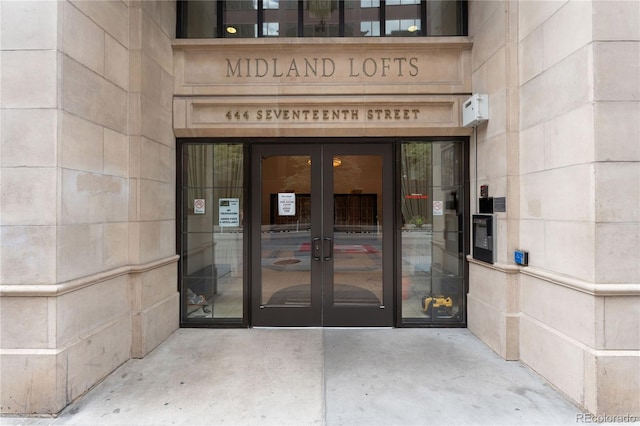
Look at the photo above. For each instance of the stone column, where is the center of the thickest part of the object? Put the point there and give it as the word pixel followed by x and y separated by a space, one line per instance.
pixel 77 297
pixel 493 299
pixel 152 178
pixel 577 304
pixel 30 362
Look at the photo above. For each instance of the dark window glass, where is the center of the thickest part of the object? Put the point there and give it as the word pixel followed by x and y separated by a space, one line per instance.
pixel 280 18
pixel 321 18
pixel 443 18
pixel 362 18
pixel 201 19
pixel 403 18
pixel 240 19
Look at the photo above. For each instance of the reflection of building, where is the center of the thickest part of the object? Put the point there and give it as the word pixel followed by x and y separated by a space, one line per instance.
pixel 99 100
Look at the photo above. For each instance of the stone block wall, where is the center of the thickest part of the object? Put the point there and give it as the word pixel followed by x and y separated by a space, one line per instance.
pixel 152 175
pixel 88 260
pixel 493 305
pixel 573 171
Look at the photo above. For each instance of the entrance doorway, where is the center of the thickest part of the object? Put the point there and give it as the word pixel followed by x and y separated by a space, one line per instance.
pixel 322 254
pixel 323 232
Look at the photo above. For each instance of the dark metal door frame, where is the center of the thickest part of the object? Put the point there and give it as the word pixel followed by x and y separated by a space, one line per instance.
pixel 381 315
pixel 321 311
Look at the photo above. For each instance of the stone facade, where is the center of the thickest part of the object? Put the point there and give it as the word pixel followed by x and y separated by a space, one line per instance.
pixel 88 264
pixel 394 88
pixel 95 92
pixel 562 147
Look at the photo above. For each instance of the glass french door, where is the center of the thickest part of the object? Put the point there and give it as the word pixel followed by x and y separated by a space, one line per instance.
pixel 322 254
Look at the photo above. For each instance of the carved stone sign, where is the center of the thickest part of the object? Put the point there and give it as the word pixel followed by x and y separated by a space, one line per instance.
pixel 336 66
pixel 326 114
pixel 313 87
pixel 314 67
pixel 267 116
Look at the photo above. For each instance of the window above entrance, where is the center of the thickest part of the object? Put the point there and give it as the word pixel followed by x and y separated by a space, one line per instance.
pixel 321 18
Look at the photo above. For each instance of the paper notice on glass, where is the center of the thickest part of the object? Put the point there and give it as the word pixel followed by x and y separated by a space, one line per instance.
pixel 286 204
pixel 437 208
pixel 229 211
pixel 198 206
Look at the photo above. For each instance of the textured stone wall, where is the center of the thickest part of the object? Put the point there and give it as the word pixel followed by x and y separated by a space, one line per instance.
pixel 573 173
pixel 88 212
pixel 493 304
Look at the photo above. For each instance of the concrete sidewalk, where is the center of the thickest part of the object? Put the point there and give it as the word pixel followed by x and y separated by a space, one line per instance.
pixel 319 376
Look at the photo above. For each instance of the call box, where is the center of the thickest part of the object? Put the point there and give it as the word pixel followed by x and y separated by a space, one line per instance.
pixel 484 237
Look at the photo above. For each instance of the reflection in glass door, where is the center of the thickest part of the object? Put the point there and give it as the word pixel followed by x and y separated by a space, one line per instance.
pixel 283 271
pixel 322 253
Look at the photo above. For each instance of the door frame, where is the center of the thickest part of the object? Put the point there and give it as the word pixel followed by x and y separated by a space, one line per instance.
pixel 298 316
pixel 383 315
pixel 245 318
pixel 321 312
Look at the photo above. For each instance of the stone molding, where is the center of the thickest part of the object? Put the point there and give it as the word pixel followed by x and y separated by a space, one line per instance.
pixel 501 267
pixel 331 115
pixel 321 87
pixel 53 290
pixel 593 289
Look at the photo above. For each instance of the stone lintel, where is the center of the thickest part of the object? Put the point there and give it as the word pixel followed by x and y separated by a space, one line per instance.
pixel 345 116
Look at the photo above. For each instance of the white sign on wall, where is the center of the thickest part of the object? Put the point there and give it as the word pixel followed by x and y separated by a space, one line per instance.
pixel 286 204
pixel 229 211
pixel 198 206
pixel 437 208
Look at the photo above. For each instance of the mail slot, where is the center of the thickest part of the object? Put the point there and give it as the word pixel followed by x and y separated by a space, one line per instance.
pixel 484 237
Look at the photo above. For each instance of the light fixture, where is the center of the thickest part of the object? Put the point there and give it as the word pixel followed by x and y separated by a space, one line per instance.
pixel 231 30
pixel 412 29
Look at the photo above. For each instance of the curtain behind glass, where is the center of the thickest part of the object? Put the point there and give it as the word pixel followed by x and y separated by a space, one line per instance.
pixel 196 172
pixel 211 250
pixel 416 182
pixel 214 166
pixel 228 169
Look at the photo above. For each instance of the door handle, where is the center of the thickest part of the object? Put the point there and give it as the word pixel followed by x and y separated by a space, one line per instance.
pixel 315 249
pixel 327 242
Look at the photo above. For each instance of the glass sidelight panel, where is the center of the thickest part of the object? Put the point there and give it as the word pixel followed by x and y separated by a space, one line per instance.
pixel 286 231
pixel 211 240
pixel 432 245
pixel 357 236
